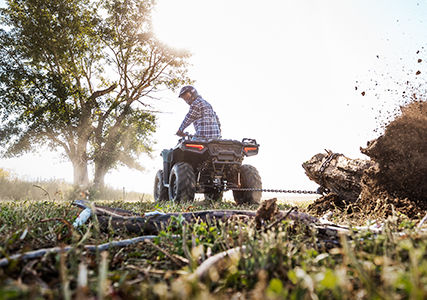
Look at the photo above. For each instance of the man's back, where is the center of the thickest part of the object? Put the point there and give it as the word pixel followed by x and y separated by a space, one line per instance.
pixel 204 118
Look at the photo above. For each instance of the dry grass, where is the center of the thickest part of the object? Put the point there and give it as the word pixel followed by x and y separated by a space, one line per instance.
pixel 285 262
pixel 12 188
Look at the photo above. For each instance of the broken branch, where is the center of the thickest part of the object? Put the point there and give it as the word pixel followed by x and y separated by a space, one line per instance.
pixel 92 248
pixel 214 260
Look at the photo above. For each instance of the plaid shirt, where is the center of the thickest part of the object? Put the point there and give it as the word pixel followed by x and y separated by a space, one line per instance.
pixel 205 120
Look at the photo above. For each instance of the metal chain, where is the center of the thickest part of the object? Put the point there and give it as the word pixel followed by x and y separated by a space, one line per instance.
pixel 324 165
pixel 327 162
pixel 272 191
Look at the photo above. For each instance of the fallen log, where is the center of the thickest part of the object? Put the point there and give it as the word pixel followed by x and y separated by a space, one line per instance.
pixel 153 222
pixel 337 173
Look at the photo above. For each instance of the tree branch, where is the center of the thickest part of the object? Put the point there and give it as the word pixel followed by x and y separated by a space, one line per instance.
pixel 103 92
pixel 92 248
pixel 217 258
pixel 51 135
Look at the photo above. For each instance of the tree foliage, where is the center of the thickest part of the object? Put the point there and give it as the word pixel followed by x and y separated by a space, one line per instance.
pixel 74 75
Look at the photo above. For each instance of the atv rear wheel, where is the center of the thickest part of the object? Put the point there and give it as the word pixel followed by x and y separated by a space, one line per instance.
pixel 249 178
pixel 160 191
pixel 182 183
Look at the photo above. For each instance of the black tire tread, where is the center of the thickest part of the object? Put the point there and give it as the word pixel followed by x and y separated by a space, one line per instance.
pixel 249 178
pixel 186 181
pixel 162 194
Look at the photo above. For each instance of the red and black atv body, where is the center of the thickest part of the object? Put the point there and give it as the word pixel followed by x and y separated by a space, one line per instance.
pixel 209 167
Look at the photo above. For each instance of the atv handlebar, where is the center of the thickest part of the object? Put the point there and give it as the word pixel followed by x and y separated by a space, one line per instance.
pixel 186 137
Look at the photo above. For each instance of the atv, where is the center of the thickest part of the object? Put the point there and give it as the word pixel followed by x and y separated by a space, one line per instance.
pixel 209 167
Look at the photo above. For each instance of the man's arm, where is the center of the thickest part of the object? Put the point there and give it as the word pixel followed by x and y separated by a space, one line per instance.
pixel 191 116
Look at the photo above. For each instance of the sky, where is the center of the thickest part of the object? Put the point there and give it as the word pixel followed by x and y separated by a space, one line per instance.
pixel 288 73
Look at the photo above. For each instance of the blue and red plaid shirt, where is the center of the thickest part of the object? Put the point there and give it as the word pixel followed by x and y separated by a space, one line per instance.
pixel 205 120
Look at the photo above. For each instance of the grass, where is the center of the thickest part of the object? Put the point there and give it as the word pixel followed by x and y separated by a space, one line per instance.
pixel 12 188
pixel 285 262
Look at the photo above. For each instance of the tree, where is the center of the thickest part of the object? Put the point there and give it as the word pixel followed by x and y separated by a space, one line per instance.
pixel 74 75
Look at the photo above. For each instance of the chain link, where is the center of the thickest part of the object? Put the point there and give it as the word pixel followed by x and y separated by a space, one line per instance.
pixel 327 162
pixel 272 191
pixel 325 165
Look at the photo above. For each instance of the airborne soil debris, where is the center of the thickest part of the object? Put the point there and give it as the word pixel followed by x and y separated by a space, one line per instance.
pixel 400 175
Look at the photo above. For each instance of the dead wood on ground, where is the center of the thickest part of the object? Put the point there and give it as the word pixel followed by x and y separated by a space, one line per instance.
pixel 153 222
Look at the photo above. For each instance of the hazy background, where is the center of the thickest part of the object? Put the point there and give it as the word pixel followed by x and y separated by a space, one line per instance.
pixel 282 72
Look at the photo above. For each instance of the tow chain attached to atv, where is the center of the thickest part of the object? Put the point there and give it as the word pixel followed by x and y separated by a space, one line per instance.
pixel 271 191
pixel 211 166
pixel 325 164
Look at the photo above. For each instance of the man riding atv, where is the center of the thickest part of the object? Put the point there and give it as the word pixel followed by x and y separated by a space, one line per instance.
pixel 205 163
pixel 201 114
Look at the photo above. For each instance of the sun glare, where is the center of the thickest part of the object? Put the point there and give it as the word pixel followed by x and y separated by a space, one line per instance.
pixel 172 23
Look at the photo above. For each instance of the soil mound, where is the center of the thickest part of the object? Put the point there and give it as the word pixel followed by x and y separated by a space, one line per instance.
pixel 401 154
pixel 377 202
pixel 398 180
pixel 331 202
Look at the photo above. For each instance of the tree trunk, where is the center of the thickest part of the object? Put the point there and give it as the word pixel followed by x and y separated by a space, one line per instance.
pixel 337 173
pixel 81 177
pixel 104 160
pixel 79 159
pixel 77 153
pixel 100 171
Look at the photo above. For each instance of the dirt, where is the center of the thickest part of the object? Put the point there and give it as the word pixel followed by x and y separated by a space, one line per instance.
pixel 331 202
pixel 401 154
pixel 379 202
pixel 397 181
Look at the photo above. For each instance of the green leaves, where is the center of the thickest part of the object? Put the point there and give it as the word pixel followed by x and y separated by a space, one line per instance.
pixel 75 73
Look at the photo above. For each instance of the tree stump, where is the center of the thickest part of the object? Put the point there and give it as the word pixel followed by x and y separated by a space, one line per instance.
pixel 337 173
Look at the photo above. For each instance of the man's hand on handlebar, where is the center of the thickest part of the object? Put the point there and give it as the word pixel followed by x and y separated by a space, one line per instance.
pixel 181 133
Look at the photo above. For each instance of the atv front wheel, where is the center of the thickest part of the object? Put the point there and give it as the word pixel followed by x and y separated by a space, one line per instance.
pixel 160 191
pixel 182 183
pixel 249 178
